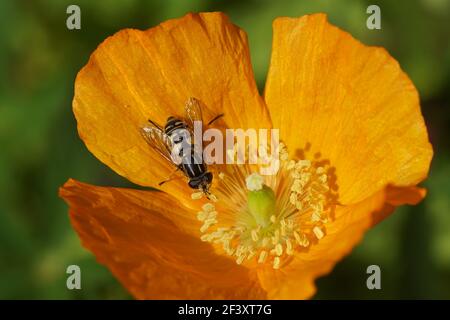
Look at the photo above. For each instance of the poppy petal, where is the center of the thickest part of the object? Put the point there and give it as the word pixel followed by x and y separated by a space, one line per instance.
pixel 138 75
pixel 348 102
pixel 296 279
pixel 150 247
pixel 396 196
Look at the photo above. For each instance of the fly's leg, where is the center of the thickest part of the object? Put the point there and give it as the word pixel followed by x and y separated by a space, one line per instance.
pixel 171 177
pixel 215 118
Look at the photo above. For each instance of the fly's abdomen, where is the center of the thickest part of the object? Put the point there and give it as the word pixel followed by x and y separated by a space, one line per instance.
pixel 192 164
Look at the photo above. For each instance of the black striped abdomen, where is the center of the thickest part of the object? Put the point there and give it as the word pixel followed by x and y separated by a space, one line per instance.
pixel 191 163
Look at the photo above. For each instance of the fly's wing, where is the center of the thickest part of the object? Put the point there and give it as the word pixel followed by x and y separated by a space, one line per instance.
pixel 193 112
pixel 158 140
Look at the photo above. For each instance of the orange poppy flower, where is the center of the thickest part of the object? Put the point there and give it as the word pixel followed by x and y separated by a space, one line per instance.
pixel 355 147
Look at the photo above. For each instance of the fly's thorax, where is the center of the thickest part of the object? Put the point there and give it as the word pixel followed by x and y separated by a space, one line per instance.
pixel 173 124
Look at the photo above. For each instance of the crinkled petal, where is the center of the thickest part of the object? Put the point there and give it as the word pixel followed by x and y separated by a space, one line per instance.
pixel 138 75
pixel 151 246
pixel 349 102
pixel 296 279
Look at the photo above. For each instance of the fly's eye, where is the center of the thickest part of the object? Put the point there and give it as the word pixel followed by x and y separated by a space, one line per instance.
pixel 194 184
pixel 208 177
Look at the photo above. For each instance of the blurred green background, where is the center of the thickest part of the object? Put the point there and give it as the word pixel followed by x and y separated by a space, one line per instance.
pixel 40 149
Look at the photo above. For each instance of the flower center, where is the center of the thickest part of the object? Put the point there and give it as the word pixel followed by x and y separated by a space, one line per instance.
pixel 261 200
pixel 265 219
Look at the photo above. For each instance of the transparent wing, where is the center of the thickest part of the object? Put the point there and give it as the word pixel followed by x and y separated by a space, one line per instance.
pixel 193 112
pixel 158 140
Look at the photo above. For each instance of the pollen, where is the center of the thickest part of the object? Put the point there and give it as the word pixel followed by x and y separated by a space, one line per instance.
pixel 254 182
pixel 265 220
pixel 197 195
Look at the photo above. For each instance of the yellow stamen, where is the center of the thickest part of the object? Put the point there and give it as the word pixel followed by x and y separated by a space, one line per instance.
pixel 254 182
pixel 255 235
pixel 276 263
pixel 289 247
pixel 197 195
pixel 270 216
pixel 262 256
pixel 318 232
pixel 208 207
pixel 279 249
